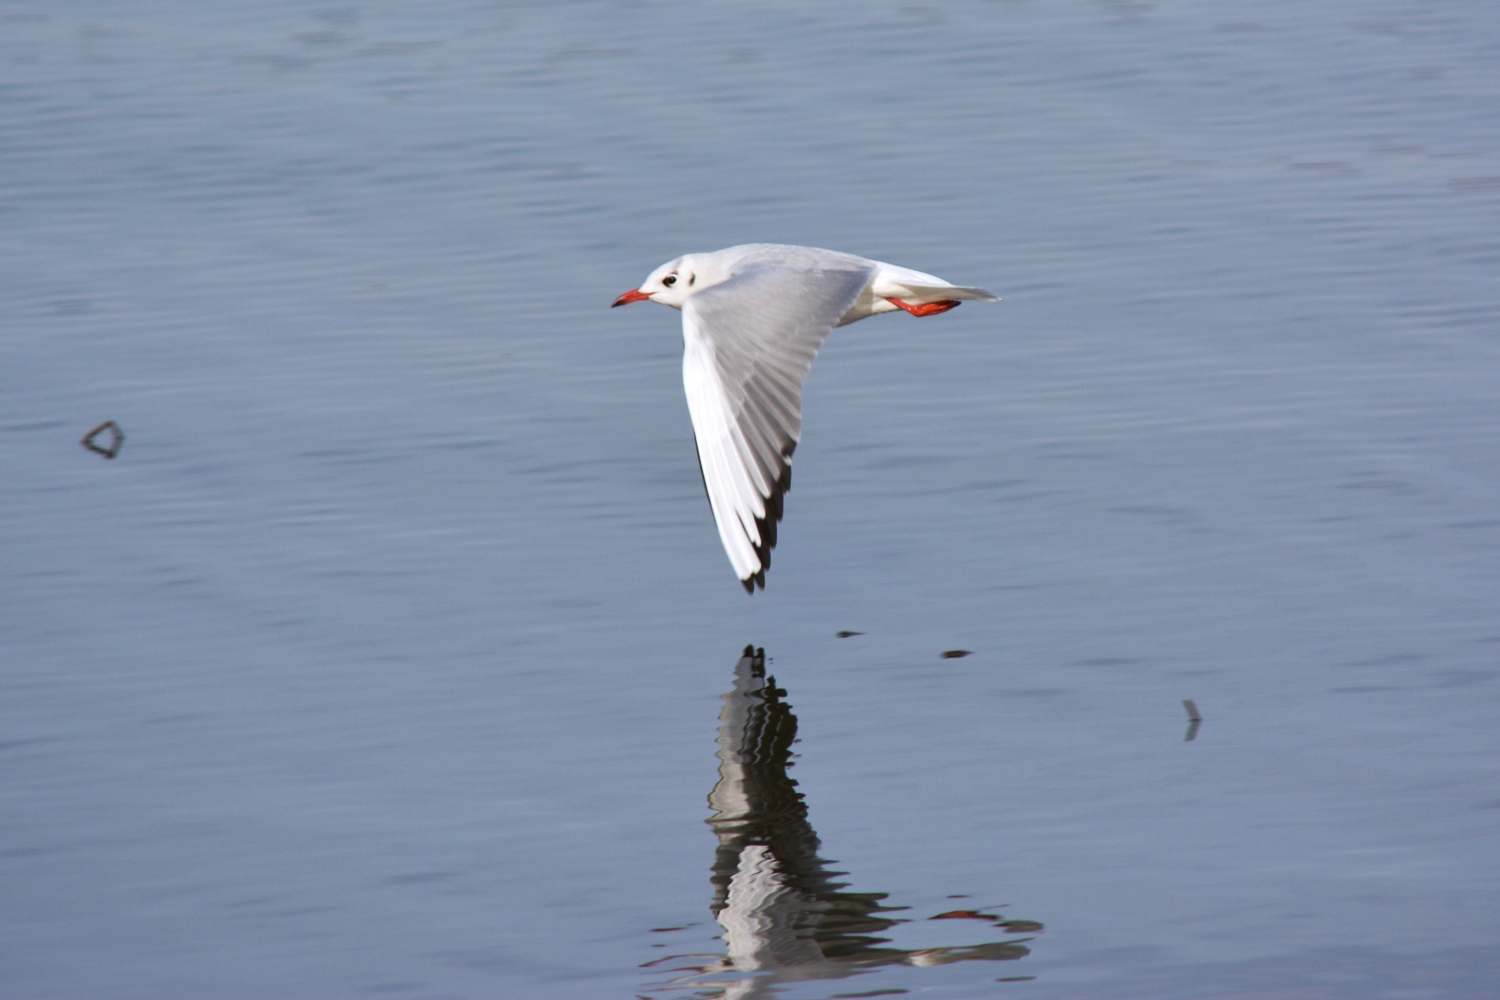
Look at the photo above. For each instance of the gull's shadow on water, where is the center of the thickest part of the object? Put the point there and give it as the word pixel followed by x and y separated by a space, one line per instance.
pixel 784 915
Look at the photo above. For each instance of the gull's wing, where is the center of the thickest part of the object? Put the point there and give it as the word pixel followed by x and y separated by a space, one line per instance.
pixel 747 346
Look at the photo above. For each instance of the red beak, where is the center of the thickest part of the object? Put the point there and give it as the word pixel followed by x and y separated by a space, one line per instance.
pixel 634 295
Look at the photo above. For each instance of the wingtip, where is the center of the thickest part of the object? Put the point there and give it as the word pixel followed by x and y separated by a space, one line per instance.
pixel 757 579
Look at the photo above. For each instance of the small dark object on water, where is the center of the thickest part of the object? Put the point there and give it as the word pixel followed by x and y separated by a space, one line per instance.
pixel 965 915
pixel 116 438
pixel 955 654
pixel 846 634
pixel 1022 926
pixel 663 930
pixel 1194 719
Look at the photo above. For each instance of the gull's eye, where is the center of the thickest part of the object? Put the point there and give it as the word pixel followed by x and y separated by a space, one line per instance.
pixel 669 280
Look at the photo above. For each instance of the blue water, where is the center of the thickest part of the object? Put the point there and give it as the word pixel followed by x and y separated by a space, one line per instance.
pixel 388 657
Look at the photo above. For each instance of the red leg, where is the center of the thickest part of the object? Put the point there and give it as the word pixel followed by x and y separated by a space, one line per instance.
pixel 926 308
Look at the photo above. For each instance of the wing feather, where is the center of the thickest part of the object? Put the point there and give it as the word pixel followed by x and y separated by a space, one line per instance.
pixel 748 344
pixel 726 493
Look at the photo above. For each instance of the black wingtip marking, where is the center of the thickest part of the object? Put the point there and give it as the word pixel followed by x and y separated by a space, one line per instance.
pixel 766 525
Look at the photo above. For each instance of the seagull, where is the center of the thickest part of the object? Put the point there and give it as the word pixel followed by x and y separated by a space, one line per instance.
pixel 753 318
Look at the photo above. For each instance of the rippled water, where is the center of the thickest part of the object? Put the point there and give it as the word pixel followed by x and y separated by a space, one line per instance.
pixel 388 655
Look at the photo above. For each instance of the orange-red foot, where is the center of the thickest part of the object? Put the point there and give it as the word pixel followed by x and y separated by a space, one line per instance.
pixel 925 308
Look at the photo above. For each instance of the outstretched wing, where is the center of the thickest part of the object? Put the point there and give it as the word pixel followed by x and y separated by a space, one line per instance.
pixel 747 346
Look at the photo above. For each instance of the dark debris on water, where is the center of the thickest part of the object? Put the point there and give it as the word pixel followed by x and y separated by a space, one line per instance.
pixel 116 439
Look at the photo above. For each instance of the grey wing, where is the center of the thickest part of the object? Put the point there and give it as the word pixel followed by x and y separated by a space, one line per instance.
pixel 748 344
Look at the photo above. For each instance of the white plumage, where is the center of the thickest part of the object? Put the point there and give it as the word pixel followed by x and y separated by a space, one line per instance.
pixel 753 319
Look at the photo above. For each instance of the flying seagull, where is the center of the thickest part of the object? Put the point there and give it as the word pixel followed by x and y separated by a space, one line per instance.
pixel 753 318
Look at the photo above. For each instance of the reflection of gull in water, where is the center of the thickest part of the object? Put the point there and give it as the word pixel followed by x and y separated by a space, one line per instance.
pixel 784 916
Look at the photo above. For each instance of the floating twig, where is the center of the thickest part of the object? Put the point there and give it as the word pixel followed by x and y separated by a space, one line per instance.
pixel 955 654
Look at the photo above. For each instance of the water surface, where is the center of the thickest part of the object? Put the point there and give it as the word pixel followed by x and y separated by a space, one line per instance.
pixel 389 654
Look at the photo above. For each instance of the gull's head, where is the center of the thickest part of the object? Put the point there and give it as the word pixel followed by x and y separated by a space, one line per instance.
pixel 669 284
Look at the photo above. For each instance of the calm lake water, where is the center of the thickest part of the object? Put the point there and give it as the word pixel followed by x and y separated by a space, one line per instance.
pixel 396 653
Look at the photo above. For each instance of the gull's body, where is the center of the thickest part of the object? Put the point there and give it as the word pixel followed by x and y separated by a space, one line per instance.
pixel 753 319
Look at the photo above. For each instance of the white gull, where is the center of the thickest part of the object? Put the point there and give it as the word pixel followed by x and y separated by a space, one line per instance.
pixel 753 318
